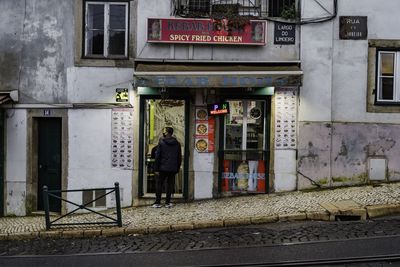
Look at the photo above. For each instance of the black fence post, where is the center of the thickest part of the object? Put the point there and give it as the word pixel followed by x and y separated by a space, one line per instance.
pixel 46 206
pixel 118 204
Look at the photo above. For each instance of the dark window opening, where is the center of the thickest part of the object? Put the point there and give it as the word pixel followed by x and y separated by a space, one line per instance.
pixel 219 8
pixel 277 7
pixel 106 29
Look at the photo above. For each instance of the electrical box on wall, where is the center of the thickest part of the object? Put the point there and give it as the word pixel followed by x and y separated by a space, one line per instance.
pixel 377 169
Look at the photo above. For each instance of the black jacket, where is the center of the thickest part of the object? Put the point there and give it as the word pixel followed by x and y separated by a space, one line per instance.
pixel 168 155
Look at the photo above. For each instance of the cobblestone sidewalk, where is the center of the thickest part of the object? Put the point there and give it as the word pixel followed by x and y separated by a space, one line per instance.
pixel 371 201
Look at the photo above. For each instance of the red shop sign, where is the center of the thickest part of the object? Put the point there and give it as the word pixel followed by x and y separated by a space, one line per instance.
pixel 205 31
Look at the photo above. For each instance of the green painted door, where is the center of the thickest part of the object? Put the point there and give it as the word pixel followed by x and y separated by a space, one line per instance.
pixel 1 162
pixel 49 160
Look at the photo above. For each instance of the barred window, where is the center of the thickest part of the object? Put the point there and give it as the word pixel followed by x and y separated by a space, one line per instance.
pixel 201 6
pixel 195 8
pixel 276 7
pixel 204 8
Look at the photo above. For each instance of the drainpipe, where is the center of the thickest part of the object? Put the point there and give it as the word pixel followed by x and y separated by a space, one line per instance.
pixel 2 162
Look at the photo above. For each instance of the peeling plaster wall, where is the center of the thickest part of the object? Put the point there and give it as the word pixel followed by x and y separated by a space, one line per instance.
pixel 36 47
pixel 337 135
pixel 15 174
pixel 37 58
pixel 10 46
pixel 314 148
pixel 269 52
pixel 97 85
pixel 337 154
pixel 350 74
pixel 335 71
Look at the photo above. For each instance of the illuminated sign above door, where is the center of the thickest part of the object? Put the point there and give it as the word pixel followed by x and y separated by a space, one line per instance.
pixel 206 31
pixel 218 108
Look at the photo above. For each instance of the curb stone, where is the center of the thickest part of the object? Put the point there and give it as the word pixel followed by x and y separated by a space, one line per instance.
pixel 50 234
pixel 382 210
pixel 72 234
pixel 113 232
pixel 182 226
pixel 23 236
pixel 318 216
pixel 292 217
pixel 91 233
pixel 140 231
pixel 264 219
pixel 159 229
pixel 4 237
pixel 208 224
pixel 236 222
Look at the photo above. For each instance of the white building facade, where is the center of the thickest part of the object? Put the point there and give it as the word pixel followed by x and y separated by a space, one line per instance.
pixel 348 112
pixel 259 103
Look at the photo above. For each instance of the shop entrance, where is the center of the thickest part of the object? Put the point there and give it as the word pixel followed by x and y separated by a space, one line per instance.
pixel 49 160
pixel 158 113
pixel 245 153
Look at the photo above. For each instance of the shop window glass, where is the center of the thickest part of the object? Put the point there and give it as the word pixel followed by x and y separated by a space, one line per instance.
pixel 106 30
pixel 244 163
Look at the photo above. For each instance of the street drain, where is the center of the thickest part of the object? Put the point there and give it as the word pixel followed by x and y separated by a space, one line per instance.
pixel 347 217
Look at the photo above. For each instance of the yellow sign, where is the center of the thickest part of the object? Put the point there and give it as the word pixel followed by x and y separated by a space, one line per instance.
pixel 121 95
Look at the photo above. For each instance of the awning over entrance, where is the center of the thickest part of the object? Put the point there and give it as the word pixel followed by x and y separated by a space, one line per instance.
pixel 8 96
pixel 221 75
pixel 5 98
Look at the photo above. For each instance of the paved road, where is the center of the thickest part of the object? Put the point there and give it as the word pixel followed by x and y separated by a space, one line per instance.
pixel 231 245
pixel 301 254
pixel 254 235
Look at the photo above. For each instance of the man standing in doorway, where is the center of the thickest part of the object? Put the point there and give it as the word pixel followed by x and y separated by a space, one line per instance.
pixel 167 163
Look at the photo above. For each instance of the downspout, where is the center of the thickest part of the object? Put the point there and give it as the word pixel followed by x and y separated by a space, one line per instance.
pixel 2 193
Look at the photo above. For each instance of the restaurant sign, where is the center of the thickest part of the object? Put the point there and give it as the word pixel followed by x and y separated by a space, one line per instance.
pixel 221 81
pixel 205 31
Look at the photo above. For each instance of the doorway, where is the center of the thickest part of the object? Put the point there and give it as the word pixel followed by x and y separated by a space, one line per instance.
pixel 49 160
pixel 158 113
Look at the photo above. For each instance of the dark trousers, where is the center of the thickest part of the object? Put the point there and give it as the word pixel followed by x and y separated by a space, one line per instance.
pixel 168 177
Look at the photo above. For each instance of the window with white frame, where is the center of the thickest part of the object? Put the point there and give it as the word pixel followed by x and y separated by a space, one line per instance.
pixel 106 29
pixel 388 83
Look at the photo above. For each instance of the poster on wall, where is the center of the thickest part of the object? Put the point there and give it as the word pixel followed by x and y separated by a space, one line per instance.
pixel 122 138
pixel 204 131
pixel 243 176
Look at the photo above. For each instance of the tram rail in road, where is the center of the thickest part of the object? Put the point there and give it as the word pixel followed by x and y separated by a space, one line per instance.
pixel 351 260
pixel 322 253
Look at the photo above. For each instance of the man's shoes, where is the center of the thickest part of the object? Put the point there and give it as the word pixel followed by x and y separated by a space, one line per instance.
pixel 156 205
pixel 168 205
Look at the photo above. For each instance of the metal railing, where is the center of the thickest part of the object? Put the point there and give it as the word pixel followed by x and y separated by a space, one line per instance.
pixel 53 194
pixel 205 8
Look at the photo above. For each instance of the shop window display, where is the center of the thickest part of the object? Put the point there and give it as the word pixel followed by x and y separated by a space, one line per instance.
pixel 244 147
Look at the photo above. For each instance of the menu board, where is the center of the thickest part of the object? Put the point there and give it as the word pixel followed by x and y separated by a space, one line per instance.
pixel 204 131
pixel 122 138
